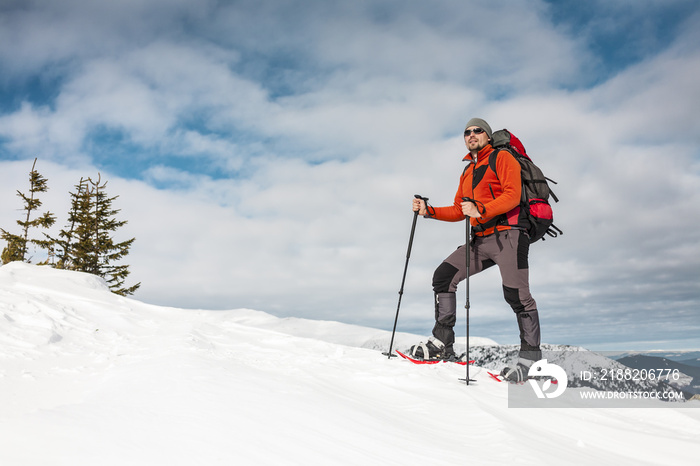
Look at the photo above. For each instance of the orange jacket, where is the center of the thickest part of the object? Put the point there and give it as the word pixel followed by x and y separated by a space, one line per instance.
pixel 495 194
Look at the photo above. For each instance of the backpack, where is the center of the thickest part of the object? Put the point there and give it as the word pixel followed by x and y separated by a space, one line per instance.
pixel 534 214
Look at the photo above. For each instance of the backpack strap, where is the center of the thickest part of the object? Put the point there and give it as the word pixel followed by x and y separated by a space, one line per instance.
pixel 493 158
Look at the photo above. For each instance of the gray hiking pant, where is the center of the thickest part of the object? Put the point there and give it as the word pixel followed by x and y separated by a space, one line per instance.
pixel 509 251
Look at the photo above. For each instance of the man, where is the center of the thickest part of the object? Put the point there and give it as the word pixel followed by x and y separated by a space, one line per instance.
pixel 494 198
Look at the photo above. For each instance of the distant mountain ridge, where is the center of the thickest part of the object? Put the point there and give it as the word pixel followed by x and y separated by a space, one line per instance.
pixel 691 362
pixel 641 361
pixel 691 358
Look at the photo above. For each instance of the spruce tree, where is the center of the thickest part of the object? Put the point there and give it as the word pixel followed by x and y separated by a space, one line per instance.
pixel 107 251
pixel 73 244
pixel 86 245
pixel 18 245
pixel 14 251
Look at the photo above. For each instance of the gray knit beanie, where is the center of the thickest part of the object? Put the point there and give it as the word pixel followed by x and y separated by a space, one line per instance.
pixel 481 124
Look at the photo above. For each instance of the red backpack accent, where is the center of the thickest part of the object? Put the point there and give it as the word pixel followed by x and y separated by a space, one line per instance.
pixel 517 145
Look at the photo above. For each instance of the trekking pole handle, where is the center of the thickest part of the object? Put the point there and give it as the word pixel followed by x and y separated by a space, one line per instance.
pixel 424 199
pixel 473 201
pixel 469 199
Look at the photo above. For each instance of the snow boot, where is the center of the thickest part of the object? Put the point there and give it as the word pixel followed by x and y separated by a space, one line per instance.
pixel 519 372
pixel 515 374
pixel 433 349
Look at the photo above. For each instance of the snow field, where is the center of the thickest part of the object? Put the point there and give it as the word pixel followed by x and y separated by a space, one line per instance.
pixel 88 377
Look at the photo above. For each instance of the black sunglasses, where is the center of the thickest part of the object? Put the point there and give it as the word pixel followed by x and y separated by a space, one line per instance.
pixel 467 132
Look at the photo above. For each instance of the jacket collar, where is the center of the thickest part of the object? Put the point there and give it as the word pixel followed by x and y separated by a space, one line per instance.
pixel 483 153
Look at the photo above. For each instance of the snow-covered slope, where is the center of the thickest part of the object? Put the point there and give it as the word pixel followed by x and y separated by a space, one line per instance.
pixel 91 378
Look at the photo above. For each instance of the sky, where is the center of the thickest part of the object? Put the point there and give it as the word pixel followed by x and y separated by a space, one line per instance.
pixel 265 153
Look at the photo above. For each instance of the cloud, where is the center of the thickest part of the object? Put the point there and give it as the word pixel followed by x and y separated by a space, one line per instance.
pixel 265 153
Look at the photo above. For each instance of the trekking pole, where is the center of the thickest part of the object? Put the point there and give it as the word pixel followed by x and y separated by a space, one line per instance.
pixel 403 280
pixel 467 305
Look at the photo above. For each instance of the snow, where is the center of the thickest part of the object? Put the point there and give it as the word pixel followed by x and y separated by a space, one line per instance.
pixel 91 378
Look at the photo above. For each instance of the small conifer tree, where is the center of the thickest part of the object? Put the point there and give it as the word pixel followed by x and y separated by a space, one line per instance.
pixel 86 244
pixel 107 250
pixel 72 245
pixel 18 245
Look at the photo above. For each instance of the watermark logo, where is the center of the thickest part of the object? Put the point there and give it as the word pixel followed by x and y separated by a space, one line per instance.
pixel 550 375
pixel 580 378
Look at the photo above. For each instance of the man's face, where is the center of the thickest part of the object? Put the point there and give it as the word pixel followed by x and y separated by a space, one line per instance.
pixel 475 138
